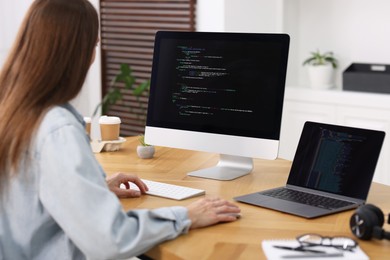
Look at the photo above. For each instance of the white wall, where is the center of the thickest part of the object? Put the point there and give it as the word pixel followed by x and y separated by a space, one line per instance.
pixel 210 15
pixel 91 93
pixel 356 30
pixel 239 15
pixel 11 16
pixel 254 16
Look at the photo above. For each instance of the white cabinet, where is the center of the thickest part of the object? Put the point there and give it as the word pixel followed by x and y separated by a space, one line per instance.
pixel 374 118
pixel 356 109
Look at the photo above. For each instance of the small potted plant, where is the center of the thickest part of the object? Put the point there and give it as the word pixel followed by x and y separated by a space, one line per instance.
pixel 321 67
pixel 144 150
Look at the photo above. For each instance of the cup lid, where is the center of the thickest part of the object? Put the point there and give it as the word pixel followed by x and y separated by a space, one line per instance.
pixel 109 120
pixel 87 119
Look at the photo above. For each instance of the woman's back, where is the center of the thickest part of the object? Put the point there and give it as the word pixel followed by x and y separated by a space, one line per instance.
pixel 25 223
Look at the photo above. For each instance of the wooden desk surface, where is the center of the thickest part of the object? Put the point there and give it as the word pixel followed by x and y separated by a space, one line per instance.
pixel 240 239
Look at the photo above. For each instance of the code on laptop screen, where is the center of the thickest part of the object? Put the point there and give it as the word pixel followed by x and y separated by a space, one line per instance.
pixel 336 159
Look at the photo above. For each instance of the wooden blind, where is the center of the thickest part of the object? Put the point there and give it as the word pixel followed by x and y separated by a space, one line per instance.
pixel 128 28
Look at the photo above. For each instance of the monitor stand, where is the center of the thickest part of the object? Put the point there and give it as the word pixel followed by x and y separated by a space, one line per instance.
pixel 228 168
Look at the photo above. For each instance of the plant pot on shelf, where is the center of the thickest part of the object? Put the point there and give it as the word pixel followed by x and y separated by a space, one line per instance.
pixel 321 76
pixel 145 152
pixel 321 67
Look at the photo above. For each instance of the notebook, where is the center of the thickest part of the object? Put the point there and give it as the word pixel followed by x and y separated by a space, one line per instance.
pixel 332 162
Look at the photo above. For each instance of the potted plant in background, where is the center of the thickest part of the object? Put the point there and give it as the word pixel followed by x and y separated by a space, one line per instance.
pixel 321 67
pixel 114 93
pixel 144 150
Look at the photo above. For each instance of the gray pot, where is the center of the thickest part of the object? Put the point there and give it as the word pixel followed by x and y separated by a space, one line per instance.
pixel 145 152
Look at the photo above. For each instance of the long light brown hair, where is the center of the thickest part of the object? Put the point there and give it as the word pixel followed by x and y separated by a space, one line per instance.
pixel 47 66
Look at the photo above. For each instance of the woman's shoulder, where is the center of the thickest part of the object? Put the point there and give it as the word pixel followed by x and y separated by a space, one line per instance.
pixel 57 118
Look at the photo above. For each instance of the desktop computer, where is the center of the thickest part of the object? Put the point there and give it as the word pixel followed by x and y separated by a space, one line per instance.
pixel 219 93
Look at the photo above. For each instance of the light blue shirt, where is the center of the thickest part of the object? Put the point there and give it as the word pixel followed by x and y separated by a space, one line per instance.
pixel 58 205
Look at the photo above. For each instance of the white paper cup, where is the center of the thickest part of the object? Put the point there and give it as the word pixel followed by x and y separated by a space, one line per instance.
pixel 109 127
pixel 88 121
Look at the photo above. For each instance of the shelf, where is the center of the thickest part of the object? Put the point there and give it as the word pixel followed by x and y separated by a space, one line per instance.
pixel 336 96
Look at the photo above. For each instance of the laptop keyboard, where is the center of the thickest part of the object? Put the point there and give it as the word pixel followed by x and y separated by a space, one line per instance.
pixel 306 198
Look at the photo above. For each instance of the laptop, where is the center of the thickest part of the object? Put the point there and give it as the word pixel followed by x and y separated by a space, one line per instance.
pixel 333 166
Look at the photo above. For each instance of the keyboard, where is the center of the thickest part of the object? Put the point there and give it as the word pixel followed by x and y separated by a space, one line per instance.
pixel 307 198
pixel 169 191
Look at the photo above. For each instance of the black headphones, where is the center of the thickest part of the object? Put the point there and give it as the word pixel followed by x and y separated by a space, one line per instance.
pixel 367 222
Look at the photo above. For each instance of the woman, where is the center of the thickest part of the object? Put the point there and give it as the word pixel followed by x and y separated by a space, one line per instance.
pixel 55 202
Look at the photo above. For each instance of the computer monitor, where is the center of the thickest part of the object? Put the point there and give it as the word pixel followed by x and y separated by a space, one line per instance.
pixel 220 93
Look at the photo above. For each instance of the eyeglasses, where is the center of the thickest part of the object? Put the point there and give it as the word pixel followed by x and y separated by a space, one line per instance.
pixel 344 243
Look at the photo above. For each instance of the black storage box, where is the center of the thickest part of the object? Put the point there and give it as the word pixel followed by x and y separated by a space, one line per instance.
pixel 367 78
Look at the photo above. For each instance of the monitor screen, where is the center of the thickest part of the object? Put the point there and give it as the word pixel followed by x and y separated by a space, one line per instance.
pixel 219 87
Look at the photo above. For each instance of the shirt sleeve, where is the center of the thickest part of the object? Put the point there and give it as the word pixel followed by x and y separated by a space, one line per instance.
pixel 74 192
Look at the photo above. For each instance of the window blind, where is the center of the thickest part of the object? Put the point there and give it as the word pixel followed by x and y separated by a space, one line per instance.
pixel 128 28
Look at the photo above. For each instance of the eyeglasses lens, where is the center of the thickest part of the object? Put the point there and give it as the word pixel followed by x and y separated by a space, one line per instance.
pixel 339 242
pixel 343 242
pixel 310 239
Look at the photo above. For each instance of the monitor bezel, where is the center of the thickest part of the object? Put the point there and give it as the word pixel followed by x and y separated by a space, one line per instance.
pixel 236 151
pixel 281 38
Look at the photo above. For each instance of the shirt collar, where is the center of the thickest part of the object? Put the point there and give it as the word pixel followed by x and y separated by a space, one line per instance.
pixel 74 112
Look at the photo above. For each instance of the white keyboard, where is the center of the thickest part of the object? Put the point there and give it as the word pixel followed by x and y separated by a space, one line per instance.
pixel 169 191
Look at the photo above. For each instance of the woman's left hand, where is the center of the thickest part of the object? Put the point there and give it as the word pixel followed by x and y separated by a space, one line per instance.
pixel 114 182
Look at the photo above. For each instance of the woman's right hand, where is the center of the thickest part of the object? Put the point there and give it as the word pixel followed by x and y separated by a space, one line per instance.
pixel 210 211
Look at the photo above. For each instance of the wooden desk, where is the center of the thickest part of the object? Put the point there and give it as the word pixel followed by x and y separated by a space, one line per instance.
pixel 240 239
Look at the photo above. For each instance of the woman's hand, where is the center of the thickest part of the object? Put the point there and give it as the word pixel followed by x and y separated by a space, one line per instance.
pixel 209 211
pixel 114 182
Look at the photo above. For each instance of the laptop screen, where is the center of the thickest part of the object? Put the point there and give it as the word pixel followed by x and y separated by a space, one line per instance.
pixel 336 159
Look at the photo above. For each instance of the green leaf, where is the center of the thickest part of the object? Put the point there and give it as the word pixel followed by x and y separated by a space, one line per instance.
pixel 309 60
pixel 316 58
pixel 114 94
pixel 115 80
pixel 141 139
pixel 141 88
pixel 125 69
pixel 96 109
pixel 129 81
